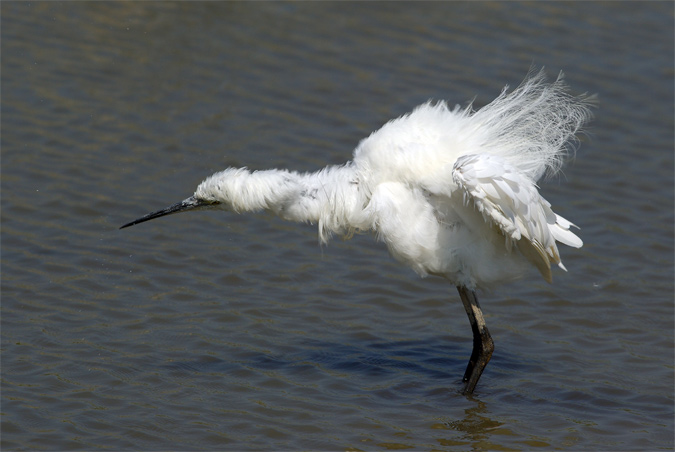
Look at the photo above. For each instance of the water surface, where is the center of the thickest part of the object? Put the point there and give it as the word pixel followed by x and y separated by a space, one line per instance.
pixel 217 331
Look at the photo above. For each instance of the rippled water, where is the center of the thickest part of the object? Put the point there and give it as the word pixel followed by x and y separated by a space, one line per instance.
pixel 216 331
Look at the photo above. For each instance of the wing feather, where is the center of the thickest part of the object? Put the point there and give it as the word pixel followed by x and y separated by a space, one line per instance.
pixel 509 199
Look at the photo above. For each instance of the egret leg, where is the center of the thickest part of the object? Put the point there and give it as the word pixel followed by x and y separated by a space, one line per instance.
pixel 483 346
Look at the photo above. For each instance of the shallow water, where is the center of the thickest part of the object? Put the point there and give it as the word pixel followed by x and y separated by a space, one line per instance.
pixel 217 331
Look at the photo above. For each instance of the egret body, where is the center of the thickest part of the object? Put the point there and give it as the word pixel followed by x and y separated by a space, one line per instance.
pixel 451 192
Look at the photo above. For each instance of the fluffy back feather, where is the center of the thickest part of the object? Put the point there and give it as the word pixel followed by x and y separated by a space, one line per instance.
pixel 533 127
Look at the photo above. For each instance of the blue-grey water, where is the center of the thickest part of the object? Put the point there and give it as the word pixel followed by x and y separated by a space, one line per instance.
pixel 213 331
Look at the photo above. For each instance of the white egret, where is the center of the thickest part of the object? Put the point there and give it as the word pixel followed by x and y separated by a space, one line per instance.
pixel 450 192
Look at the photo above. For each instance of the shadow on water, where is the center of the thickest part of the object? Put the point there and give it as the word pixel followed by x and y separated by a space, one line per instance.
pixel 436 361
pixel 372 360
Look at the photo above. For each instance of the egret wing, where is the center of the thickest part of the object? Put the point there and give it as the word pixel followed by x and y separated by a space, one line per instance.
pixel 509 199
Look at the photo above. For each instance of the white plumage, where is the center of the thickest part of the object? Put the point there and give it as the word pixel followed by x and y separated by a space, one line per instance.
pixel 450 192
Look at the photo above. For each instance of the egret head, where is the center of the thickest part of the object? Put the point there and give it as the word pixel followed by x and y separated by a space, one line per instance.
pixel 234 189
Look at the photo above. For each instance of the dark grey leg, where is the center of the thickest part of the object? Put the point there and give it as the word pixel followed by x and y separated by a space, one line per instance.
pixel 483 346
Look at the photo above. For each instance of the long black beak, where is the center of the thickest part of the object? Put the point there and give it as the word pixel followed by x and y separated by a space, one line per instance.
pixel 189 204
